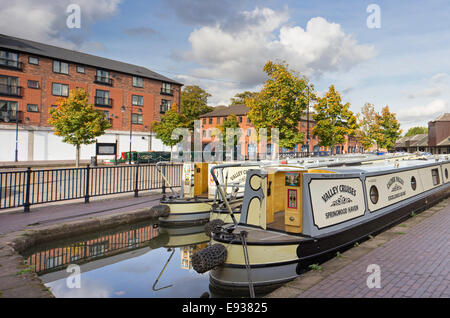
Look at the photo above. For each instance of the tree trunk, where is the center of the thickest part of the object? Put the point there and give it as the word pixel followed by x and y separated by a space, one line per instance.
pixel 78 156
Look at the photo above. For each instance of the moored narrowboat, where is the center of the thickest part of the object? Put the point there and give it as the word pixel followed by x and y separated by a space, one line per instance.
pixel 291 217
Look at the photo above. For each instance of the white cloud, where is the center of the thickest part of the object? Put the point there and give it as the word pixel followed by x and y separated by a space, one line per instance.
pixel 45 20
pixel 421 115
pixel 239 54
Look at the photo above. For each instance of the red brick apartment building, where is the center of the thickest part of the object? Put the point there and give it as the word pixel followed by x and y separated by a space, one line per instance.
pixel 220 113
pixel 33 76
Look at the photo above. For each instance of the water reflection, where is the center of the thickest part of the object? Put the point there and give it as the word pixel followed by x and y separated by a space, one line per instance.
pixel 142 260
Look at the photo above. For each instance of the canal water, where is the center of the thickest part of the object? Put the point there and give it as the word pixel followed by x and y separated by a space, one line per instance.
pixel 141 260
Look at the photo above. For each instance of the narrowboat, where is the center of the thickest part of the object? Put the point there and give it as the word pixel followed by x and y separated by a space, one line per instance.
pixel 290 217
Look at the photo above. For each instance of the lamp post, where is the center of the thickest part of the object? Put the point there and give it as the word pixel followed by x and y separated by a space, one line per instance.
pixel 123 108
pixel 307 124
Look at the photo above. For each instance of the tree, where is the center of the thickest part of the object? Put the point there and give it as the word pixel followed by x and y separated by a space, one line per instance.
pixel 387 129
pixel 77 121
pixel 230 122
pixel 366 129
pixel 281 103
pixel 169 121
pixel 416 131
pixel 334 120
pixel 240 98
pixel 193 104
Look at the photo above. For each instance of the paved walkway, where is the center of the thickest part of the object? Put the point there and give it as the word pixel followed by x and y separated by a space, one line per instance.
pixel 414 264
pixel 65 212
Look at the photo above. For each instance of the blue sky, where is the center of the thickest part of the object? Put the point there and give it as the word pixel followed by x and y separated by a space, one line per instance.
pixel 222 45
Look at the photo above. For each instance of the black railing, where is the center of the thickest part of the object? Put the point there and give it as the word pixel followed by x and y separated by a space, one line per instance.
pixel 11 90
pixel 11 64
pixel 28 187
pixel 103 101
pixel 11 116
pixel 103 80
pixel 167 91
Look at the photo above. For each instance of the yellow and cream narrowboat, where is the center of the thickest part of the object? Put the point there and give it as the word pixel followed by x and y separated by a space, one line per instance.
pixel 290 217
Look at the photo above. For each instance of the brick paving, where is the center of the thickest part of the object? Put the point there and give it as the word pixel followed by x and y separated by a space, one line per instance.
pixel 415 264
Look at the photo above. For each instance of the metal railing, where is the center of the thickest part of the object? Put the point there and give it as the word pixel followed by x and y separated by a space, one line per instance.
pixel 11 64
pixel 29 187
pixel 103 101
pixel 11 116
pixel 103 80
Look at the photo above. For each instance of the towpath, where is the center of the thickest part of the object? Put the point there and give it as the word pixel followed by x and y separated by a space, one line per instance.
pixel 411 259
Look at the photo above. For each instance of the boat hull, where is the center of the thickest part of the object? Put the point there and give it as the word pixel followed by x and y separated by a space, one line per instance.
pixel 273 263
pixel 186 212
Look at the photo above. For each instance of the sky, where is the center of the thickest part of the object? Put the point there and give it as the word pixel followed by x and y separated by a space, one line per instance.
pixel 391 52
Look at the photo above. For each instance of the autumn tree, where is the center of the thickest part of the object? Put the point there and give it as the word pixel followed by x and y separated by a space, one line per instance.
pixel 169 121
pixel 240 98
pixel 366 126
pixel 77 121
pixel 387 129
pixel 334 120
pixel 281 103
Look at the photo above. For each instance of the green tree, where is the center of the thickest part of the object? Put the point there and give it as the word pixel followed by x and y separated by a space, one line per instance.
pixel 366 129
pixel 334 120
pixel 387 129
pixel 194 102
pixel 169 121
pixel 240 98
pixel 281 103
pixel 416 131
pixel 76 121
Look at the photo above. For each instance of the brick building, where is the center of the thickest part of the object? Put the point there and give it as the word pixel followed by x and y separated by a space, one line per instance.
pixel 439 134
pixel 220 113
pixel 33 76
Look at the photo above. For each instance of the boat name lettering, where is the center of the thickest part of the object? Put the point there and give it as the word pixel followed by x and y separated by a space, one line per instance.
pixel 238 174
pixel 332 214
pixel 336 189
pixel 395 179
pixel 397 195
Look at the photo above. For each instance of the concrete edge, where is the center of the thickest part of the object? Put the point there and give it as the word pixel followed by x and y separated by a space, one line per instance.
pixel 307 280
pixel 18 280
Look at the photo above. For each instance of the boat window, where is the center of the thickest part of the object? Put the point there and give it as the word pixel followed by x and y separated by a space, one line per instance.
pixel 374 194
pixel 446 173
pixel 413 183
pixel 435 176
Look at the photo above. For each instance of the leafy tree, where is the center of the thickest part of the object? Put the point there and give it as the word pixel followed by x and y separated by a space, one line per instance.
pixel 77 121
pixel 416 131
pixel 387 129
pixel 169 121
pixel 281 103
pixel 334 120
pixel 366 129
pixel 240 98
pixel 193 104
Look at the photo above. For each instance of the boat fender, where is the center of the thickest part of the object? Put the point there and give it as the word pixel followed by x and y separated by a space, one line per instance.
pixel 213 226
pixel 160 211
pixel 208 258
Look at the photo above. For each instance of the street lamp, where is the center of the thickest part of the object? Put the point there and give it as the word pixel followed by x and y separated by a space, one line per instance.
pixel 307 124
pixel 123 108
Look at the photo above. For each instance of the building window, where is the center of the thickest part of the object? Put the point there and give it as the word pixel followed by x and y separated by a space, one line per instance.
pixel 218 120
pixel 8 110
pixel 60 67
pixel 165 105
pixel 204 121
pixel 166 89
pixel 33 60
pixel 138 81
pixel 137 100
pixel 240 119
pixel 103 77
pixel 136 119
pixel 33 84
pixel 81 69
pixel 9 86
pixel 210 120
pixel 102 98
pixel 10 60
pixel 60 89
pixel 33 108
